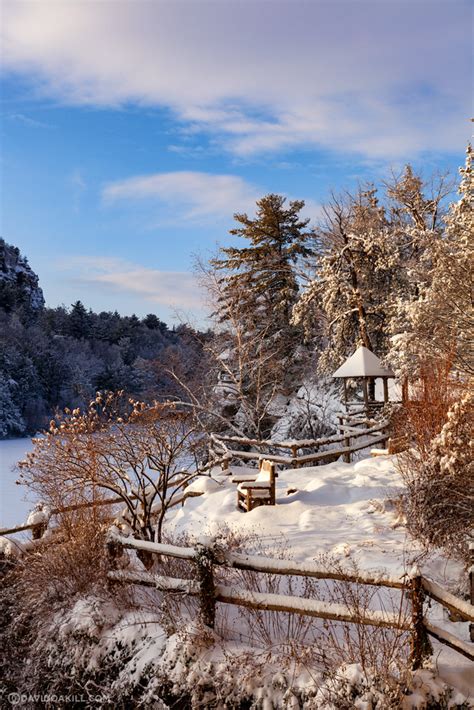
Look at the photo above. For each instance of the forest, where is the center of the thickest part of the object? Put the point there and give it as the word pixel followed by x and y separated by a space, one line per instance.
pixel 52 358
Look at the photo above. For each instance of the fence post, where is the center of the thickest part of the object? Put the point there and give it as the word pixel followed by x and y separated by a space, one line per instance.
pixel 471 585
pixel 347 440
pixel 38 530
pixel 207 589
pixel 294 455
pixel 420 644
pixel 114 552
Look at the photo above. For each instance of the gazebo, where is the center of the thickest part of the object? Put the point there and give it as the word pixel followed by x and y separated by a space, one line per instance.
pixel 366 366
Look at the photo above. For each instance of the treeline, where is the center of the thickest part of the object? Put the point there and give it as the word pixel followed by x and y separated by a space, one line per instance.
pixel 388 268
pixel 56 358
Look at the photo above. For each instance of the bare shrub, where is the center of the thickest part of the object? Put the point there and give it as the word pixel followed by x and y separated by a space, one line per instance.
pixel 142 455
pixel 70 564
pixel 380 653
pixel 438 470
pixel 430 398
pixel 45 583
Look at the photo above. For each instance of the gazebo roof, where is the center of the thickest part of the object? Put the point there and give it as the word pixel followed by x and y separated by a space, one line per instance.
pixel 363 363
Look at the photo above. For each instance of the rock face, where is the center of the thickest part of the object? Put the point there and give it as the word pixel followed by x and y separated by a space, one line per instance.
pixel 18 282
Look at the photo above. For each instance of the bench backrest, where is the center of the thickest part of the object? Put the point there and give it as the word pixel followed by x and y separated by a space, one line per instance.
pixel 266 471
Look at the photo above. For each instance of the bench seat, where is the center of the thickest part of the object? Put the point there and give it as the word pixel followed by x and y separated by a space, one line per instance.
pixel 260 491
pixel 242 477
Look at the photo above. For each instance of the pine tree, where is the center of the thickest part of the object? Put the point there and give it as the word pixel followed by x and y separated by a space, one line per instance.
pixel 257 286
pixel 79 321
pixel 260 279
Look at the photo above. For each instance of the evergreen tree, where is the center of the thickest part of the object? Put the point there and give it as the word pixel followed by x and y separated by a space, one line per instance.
pixel 79 321
pixel 260 280
pixel 257 287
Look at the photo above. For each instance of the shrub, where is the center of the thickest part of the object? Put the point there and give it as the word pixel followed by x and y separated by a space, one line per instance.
pixel 439 476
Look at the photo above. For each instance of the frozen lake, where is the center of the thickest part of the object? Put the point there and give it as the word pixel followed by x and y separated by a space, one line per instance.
pixel 13 507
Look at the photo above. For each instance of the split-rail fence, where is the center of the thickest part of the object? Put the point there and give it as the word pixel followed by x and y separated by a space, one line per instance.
pixel 416 586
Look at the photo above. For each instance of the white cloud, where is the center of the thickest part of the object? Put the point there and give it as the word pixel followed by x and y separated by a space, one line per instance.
pixel 173 289
pixel 383 79
pixel 195 196
pixel 198 194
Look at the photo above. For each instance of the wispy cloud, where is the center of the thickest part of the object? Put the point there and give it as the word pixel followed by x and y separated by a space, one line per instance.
pixel 173 289
pixel 27 120
pixel 197 194
pixel 79 186
pixel 381 79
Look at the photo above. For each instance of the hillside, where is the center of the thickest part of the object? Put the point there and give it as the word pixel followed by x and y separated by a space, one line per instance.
pixel 52 358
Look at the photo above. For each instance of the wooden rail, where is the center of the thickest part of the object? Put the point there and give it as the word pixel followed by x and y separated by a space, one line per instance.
pixel 91 504
pixel 210 593
pixel 376 433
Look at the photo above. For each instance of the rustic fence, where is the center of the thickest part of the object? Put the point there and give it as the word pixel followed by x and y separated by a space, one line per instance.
pixel 355 434
pixel 38 529
pixel 209 593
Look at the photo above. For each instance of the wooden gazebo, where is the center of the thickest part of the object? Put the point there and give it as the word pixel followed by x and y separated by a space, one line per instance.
pixel 364 365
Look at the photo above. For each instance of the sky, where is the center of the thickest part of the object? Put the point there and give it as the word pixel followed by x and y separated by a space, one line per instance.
pixel 132 131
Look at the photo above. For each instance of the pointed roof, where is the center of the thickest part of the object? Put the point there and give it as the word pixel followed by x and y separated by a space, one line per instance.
pixel 363 363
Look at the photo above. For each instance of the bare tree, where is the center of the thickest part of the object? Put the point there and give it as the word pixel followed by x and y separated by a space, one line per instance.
pixel 246 368
pixel 144 455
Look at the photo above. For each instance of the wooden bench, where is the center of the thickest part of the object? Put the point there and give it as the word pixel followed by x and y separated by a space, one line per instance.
pixel 260 491
pixel 396 445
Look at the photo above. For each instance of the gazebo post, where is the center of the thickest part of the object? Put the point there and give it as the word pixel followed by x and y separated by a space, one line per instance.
pixel 366 394
pixel 405 391
pixel 385 389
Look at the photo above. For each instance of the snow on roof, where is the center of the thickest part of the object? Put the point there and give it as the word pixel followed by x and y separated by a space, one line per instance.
pixel 363 363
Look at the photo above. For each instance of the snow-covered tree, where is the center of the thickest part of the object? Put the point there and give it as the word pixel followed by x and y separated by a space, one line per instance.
pixel 254 288
pixel 438 321
pixel 374 260
pixel 353 278
pixel 11 421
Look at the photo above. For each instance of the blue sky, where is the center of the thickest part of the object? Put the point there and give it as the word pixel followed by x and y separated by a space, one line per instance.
pixel 132 131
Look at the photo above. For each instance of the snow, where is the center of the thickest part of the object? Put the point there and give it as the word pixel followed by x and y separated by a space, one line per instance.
pixel 363 363
pixel 319 509
pixel 348 511
pixel 14 503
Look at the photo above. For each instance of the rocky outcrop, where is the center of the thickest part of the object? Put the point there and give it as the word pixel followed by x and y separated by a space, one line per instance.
pixel 18 282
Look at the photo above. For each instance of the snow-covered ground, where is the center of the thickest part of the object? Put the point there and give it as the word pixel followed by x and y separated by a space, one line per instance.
pixel 342 509
pixel 14 508
pixel 347 510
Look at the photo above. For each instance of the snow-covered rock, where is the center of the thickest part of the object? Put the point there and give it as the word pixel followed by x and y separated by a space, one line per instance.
pixel 18 282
